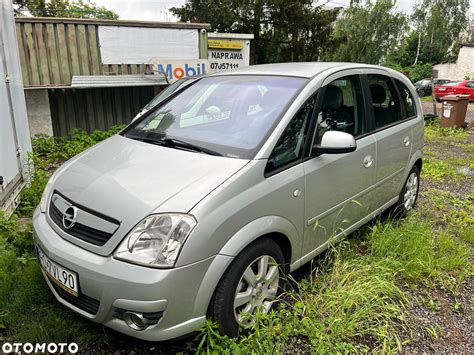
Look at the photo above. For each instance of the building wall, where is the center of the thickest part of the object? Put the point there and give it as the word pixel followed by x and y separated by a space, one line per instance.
pixel 463 66
pixel 39 113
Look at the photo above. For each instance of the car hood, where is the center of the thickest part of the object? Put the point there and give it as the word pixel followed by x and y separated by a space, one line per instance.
pixel 127 180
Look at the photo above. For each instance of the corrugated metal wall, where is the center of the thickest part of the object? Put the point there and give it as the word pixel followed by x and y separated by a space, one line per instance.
pixel 90 109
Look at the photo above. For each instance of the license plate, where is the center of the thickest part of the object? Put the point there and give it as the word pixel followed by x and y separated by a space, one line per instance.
pixel 442 89
pixel 61 276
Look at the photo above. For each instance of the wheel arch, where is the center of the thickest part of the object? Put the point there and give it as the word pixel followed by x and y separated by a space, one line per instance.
pixel 276 228
pixel 419 164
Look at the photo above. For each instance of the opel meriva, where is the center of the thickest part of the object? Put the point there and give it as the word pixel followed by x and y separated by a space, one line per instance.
pixel 201 206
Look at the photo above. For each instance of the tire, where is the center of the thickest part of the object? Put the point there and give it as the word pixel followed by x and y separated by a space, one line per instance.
pixel 409 194
pixel 245 270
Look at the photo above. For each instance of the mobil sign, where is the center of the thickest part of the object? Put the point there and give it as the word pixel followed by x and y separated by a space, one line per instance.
pixel 178 69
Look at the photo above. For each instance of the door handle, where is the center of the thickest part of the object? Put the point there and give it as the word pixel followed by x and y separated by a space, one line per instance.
pixel 368 160
pixel 406 141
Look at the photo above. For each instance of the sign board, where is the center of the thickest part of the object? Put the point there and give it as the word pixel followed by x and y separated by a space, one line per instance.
pixel 221 44
pixel 228 51
pixel 178 69
pixel 138 45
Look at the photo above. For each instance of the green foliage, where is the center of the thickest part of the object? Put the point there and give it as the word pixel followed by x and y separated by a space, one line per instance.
pixel 419 254
pixel 439 25
pixel 368 31
pixel 283 30
pixel 418 72
pixel 415 72
pixel 64 8
pixel 437 170
pixel 435 133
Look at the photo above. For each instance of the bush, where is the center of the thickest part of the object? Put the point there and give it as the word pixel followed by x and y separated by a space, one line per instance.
pixel 415 72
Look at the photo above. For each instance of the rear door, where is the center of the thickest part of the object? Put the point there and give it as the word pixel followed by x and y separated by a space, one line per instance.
pixel 393 134
pixel 9 160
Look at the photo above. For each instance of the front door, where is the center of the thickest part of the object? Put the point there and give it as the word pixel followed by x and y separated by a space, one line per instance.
pixel 338 186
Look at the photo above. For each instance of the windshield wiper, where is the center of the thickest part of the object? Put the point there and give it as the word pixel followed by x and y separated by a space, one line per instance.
pixel 176 143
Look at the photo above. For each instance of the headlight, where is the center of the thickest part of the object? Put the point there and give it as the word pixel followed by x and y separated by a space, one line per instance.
pixel 47 192
pixel 157 240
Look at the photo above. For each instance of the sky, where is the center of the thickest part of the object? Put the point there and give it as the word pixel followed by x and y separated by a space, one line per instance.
pixel 157 10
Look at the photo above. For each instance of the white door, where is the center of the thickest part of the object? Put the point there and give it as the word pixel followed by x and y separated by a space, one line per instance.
pixel 9 161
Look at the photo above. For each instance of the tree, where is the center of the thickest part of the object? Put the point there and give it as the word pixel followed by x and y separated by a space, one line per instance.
pixel 369 31
pixel 283 30
pixel 63 8
pixel 439 25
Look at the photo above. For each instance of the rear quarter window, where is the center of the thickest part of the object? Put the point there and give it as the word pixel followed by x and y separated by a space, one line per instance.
pixel 407 99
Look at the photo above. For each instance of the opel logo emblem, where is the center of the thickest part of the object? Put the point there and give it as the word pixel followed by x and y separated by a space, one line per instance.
pixel 69 217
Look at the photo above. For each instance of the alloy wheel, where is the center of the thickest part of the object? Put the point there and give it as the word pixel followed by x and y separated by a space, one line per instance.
pixel 411 191
pixel 257 289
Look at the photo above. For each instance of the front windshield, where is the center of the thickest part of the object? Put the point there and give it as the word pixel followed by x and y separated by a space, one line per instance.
pixel 230 115
pixel 167 91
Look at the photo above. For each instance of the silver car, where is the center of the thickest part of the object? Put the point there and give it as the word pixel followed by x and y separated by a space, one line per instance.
pixel 201 206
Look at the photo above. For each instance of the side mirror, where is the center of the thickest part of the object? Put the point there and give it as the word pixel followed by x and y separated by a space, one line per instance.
pixel 336 142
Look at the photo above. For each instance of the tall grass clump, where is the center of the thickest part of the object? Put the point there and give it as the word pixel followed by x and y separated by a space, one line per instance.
pixel 352 300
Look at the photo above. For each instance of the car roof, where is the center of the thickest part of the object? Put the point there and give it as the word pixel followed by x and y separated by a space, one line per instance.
pixel 299 69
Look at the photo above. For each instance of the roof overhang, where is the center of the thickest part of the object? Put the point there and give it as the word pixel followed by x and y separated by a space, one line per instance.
pixel 107 81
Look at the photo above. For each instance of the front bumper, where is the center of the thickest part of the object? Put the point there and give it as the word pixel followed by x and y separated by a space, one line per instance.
pixel 119 285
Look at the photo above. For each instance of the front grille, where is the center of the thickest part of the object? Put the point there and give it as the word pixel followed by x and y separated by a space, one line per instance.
pixel 79 231
pixel 86 303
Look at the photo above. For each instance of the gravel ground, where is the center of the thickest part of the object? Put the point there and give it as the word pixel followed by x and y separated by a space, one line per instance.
pixel 441 321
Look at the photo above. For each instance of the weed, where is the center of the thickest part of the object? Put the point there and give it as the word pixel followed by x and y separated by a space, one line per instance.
pixel 435 133
pixel 437 170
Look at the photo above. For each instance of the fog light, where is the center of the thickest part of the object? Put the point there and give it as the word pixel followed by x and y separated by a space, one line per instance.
pixel 135 320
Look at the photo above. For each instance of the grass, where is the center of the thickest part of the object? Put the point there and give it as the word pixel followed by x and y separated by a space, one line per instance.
pixel 439 167
pixel 351 299
pixel 426 99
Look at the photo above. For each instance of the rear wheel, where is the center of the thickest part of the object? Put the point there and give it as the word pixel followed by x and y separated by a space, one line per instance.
pixel 409 194
pixel 251 284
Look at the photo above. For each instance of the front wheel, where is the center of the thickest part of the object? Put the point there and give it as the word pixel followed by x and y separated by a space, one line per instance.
pixel 409 194
pixel 251 284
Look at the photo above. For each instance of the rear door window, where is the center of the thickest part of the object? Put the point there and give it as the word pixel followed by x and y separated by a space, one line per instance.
pixel 385 102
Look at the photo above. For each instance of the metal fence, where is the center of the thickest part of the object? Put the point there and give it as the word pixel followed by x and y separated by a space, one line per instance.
pixel 100 108
pixel 428 108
